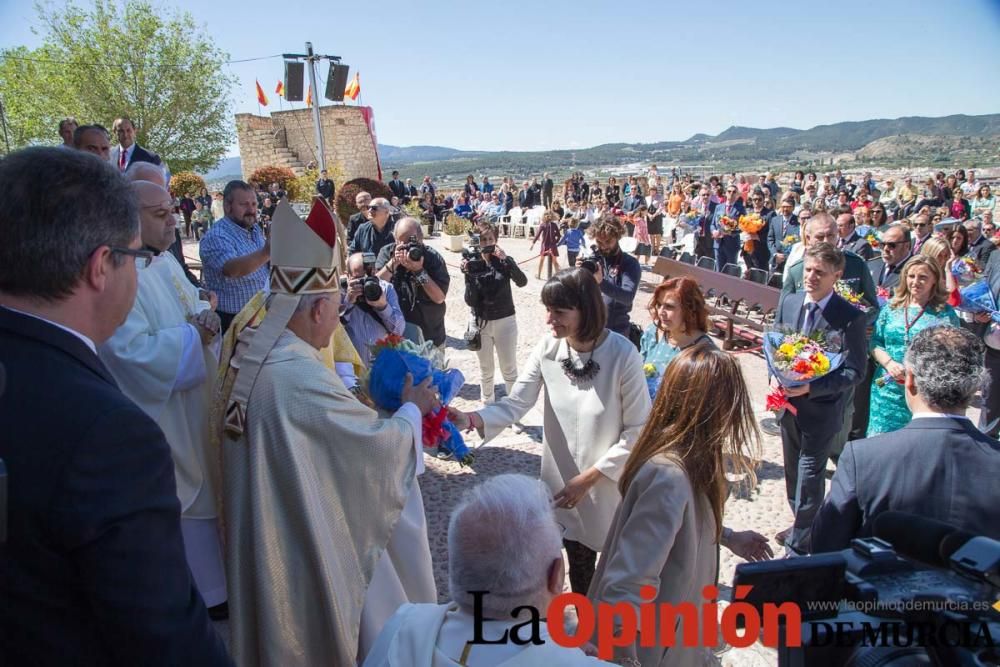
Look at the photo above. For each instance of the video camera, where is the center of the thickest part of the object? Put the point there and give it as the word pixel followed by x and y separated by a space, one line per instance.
pixel 918 593
pixel 371 288
pixel 473 256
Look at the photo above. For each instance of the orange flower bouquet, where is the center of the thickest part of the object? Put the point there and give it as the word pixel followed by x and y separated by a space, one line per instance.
pixel 750 224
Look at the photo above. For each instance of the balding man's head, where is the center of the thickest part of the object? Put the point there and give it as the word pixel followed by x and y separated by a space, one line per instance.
pixel 356 264
pixel 146 171
pixel 406 228
pixel 156 216
pixel 821 228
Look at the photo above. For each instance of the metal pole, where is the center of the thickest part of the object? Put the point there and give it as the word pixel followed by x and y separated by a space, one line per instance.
pixel 321 152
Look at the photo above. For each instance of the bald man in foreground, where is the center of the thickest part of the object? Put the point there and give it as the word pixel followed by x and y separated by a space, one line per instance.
pixel 163 358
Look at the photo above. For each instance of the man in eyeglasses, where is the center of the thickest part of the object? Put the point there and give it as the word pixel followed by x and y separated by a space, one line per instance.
pixel 375 234
pixel 923 229
pixel 160 358
pixel 362 200
pixel 895 248
pixel 727 243
pixel 94 563
pixel 783 232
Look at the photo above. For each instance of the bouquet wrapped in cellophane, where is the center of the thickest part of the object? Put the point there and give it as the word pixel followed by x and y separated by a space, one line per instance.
pixel 796 359
pixel 394 357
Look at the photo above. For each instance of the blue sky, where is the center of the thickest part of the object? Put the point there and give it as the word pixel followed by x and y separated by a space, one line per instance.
pixel 556 74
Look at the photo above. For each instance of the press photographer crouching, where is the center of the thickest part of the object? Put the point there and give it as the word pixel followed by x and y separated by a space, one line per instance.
pixel 369 306
pixel 420 277
pixel 488 272
pixel 617 274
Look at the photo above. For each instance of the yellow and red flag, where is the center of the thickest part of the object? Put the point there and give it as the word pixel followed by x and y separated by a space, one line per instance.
pixel 261 97
pixel 280 89
pixel 309 96
pixel 354 87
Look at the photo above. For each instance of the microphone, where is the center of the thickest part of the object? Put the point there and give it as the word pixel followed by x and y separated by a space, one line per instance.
pixel 918 537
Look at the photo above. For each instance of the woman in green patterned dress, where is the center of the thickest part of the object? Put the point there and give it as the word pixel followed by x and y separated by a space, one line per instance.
pixel 919 302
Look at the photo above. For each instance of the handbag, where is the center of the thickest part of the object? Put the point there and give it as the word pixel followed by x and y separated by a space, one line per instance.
pixel 473 335
pixel 635 335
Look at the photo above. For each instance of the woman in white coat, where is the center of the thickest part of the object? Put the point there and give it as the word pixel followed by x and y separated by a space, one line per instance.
pixel 667 531
pixel 596 403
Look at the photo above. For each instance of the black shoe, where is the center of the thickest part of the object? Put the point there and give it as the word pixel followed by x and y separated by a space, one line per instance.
pixel 219 612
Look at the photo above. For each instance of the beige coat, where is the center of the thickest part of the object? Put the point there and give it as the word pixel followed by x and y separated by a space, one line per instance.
pixel 662 536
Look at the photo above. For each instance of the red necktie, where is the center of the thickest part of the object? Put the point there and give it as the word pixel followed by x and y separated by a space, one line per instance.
pixel 122 155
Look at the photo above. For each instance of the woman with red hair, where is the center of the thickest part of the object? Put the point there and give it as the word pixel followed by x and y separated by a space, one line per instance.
pixel 680 320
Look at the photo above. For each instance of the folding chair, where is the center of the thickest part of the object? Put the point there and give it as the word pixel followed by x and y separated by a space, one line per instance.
pixel 706 263
pixel 732 270
pixel 776 280
pixel 757 276
pixel 687 258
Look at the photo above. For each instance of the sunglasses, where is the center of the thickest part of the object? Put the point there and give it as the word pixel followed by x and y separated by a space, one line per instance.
pixel 374 208
pixel 891 245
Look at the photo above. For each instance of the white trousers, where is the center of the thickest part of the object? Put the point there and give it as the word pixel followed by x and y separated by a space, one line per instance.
pixel 499 335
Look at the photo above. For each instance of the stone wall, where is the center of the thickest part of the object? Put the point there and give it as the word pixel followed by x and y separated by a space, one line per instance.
pixel 287 138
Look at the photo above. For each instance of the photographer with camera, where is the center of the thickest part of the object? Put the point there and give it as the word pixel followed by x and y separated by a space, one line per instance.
pixel 617 274
pixel 488 273
pixel 420 277
pixel 369 307
pixel 938 466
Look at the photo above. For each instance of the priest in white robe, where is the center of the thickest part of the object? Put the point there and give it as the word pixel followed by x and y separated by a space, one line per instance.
pixel 503 539
pixel 162 358
pixel 325 529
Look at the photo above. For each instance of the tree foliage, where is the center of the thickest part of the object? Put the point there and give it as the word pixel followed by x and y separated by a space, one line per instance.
pixel 186 183
pixel 264 176
pixel 135 59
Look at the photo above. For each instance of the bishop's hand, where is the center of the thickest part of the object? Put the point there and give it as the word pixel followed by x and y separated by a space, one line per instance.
pixel 422 395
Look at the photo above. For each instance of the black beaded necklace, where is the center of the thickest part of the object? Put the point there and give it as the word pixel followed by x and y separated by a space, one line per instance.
pixel 584 373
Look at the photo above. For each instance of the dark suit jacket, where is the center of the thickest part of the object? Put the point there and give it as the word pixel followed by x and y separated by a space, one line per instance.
pixel 938 467
pixel 855 273
pixel 525 199
pixel 736 210
pixel 398 188
pixel 776 232
pixel 883 277
pixel 820 406
pixel 981 251
pixel 140 154
pixel 94 570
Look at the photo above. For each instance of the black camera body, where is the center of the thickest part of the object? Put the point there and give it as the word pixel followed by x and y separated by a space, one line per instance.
pixel 414 249
pixel 371 288
pixel 473 256
pixel 868 605
pixel 591 263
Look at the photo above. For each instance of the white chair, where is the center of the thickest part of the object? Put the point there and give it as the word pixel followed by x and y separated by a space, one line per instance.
pixel 533 219
pixel 516 221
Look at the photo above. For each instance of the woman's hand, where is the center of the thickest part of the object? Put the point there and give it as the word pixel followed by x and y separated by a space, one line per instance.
pixel 749 545
pixel 896 370
pixel 577 488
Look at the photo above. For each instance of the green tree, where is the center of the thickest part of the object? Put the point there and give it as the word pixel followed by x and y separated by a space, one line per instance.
pixel 155 66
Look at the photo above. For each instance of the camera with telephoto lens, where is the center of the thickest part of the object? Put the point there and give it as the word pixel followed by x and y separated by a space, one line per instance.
pixel 371 288
pixel 473 256
pixel 414 249
pixel 590 263
pixel 920 592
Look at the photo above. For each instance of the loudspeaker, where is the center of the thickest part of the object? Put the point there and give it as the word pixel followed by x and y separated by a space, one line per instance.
pixel 336 82
pixel 294 71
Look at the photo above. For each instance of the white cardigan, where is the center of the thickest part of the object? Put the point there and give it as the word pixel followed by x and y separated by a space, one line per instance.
pixel 586 424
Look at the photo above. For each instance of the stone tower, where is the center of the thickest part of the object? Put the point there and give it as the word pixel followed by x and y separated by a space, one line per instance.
pixel 287 139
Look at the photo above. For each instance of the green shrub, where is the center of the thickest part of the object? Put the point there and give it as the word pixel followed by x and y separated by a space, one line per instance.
pixel 186 183
pixel 264 176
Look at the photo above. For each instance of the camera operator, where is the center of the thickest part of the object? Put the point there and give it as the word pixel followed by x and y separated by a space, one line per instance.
pixel 369 306
pixel 617 274
pixel 938 466
pixel 488 272
pixel 420 277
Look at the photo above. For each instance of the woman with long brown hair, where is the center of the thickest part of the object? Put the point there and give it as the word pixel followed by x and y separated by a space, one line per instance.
pixel 674 488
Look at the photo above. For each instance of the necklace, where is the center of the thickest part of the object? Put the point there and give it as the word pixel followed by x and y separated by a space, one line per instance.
pixel 909 324
pixel 585 373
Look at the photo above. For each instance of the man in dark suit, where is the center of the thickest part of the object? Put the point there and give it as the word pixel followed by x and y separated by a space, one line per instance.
pixel 399 188
pixel 848 238
pixel 546 191
pixel 783 224
pixel 94 569
pixel 703 245
pixel 980 247
pixel 895 246
pixel 726 243
pixel 761 256
pixel 938 466
pixel 128 152
pixel 525 198
pixel 808 436
pixel 325 187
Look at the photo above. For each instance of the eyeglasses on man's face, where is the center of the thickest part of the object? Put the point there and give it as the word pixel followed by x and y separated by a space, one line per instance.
pixel 145 257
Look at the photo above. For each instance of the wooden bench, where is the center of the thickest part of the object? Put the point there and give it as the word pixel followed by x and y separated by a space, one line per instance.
pixel 740 309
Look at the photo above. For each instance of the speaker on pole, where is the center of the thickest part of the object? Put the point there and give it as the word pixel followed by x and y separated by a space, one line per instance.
pixel 336 82
pixel 294 72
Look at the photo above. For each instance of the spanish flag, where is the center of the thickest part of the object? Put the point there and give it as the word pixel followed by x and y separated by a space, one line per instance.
pixel 280 89
pixel 354 87
pixel 261 97
pixel 309 96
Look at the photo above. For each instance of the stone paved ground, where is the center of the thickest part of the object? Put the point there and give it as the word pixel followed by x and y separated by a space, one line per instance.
pixel 764 510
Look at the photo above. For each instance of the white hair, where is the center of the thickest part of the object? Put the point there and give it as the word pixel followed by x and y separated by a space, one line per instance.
pixel 502 537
